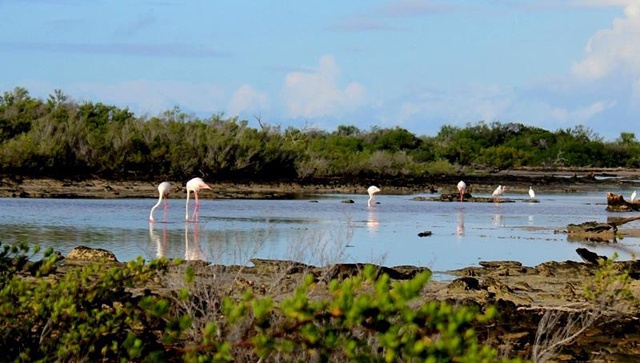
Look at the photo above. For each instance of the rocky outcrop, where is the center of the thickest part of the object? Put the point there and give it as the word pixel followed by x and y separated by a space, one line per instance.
pixel 616 203
pixel 82 253
pixel 592 231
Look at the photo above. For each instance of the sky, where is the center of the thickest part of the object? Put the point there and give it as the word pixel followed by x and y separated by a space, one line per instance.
pixel 414 64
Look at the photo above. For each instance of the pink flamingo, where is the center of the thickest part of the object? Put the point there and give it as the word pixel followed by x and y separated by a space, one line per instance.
pixel 163 189
pixel 372 199
pixel 194 185
pixel 498 192
pixel 462 187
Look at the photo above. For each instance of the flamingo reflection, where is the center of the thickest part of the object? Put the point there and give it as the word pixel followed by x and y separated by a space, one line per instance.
pixel 192 251
pixel 497 220
pixel 372 220
pixel 460 226
pixel 161 244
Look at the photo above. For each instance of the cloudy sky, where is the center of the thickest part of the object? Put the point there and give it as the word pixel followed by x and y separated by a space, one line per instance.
pixel 416 64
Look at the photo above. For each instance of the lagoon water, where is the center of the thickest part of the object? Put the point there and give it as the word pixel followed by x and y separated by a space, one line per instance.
pixel 319 229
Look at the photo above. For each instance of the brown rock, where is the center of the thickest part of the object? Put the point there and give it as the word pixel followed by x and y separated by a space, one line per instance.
pixel 83 253
pixel 616 203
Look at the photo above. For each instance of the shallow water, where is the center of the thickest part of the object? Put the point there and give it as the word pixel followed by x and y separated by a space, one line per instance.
pixel 318 229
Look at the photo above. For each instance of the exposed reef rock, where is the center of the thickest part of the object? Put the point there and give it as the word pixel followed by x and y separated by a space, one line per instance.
pixel 82 253
pixel 468 198
pixel 592 231
pixel 616 203
pixel 589 257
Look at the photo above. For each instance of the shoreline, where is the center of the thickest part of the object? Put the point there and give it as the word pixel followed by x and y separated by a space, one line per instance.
pixel 518 180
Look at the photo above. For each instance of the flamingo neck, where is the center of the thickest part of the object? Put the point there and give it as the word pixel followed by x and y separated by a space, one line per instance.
pixel 154 207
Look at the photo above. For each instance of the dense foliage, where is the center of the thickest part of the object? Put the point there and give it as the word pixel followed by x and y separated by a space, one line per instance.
pixel 58 137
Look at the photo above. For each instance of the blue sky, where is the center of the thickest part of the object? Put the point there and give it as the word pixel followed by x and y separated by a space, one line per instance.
pixel 416 64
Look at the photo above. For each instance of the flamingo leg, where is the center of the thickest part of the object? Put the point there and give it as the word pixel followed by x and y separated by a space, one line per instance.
pixel 187 208
pixel 196 207
pixel 165 210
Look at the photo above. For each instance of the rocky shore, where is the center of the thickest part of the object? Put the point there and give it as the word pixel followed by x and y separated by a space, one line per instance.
pixel 533 301
pixel 480 181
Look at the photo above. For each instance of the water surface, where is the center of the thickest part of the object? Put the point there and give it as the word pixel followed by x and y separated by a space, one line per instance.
pixel 318 229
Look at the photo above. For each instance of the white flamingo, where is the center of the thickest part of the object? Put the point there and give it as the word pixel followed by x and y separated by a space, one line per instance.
pixel 498 192
pixel 194 185
pixel 462 187
pixel 372 199
pixel 163 189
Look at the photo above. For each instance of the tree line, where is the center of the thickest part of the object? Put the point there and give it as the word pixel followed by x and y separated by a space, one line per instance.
pixel 59 137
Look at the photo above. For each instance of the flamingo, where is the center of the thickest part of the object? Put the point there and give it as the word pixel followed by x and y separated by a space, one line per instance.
pixel 532 194
pixel 462 187
pixel 498 192
pixel 633 196
pixel 372 199
pixel 163 189
pixel 194 185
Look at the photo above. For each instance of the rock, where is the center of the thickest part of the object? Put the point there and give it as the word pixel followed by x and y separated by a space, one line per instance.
pixel 588 256
pixel 465 283
pixel 592 231
pixel 616 203
pixel 82 253
pixel 274 266
pixel 425 234
pixel 346 270
pixel 495 264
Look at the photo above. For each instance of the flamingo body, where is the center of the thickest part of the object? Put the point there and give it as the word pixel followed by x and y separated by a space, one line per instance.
pixel 194 185
pixel 498 192
pixel 163 190
pixel 462 187
pixel 372 199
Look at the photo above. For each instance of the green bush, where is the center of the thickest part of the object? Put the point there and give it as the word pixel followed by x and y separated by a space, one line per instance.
pixel 365 318
pixel 87 314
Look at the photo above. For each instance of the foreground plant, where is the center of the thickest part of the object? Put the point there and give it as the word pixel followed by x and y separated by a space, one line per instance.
pixel 87 314
pixel 99 312
pixel 365 318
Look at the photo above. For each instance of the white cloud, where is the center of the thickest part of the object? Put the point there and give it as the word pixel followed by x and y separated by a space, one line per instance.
pixel 615 50
pixel 459 106
pixel 582 114
pixel 152 97
pixel 246 99
pixel 317 93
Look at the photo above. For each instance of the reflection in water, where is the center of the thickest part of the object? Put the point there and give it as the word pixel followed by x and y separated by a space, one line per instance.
pixel 192 251
pixel 372 220
pixel 460 224
pixel 497 220
pixel 530 219
pixel 243 229
pixel 161 245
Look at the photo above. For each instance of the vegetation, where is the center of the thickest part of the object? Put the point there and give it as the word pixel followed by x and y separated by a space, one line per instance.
pixel 609 291
pixel 90 313
pixel 58 137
